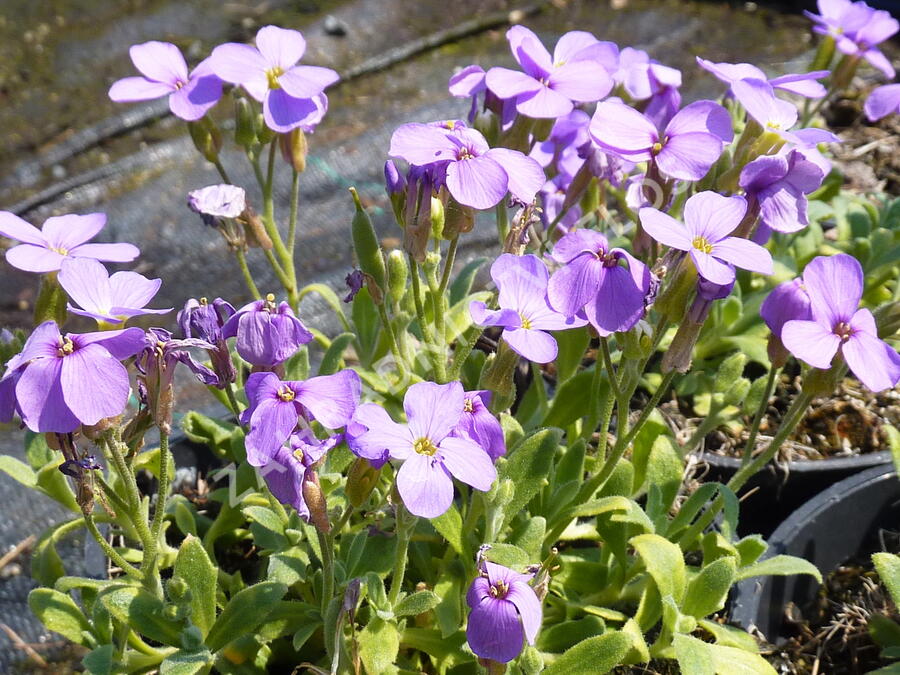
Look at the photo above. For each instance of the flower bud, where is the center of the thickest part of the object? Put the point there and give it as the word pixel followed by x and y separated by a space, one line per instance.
pixel 365 242
pixel 294 149
pixel 672 301
pixel 254 230
pixel 679 354
pixel 315 501
pixel 398 274
pixel 437 218
pixel 264 134
pixel 459 219
pixel 244 122
pixel 497 376
pixel 361 480
pixel 191 639
pixel 206 137
pixel 176 588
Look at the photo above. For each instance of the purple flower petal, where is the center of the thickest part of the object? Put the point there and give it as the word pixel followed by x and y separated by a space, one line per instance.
pixel 32 258
pixel 525 175
pixel 479 182
pixel 194 100
pixel 284 475
pixel 878 60
pixel 874 362
pixel 425 486
pixel 40 398
pixel 467 82
pixel 15 228
pixel 624 130
pixel 581 81
pixel 120 343
pixel 86 282
pixel 282 112
pixel 688 156
pixel 529 51
pixel 331 398
pixel 130 89
pixel 160 61
pixel 106 252
pixel 468 462
pixel 761 104
pixel 480 589
pixel 372 434
pixel 486 317
pixel 243 65
pixel 786 302
pixel 422 144
pixel 575 243
pixel 270 425
pixel 280 47
pixel 43 342
pixel 881 102
pixel 576 284
pixel 433 410
pixel 811 342
pixel 69 231
pixel 711 268
pixel 526 601
pixel 665 229
pixel 800 85
pixel 534 345
pixel 94 384
pixel 544 103
pixel 506 83
pixel 494 630
pixel 702 117
pixel 744 254
pixel 713 216
pixel 835 286
pixel 620 303
pixel 568 46
pixel 307 81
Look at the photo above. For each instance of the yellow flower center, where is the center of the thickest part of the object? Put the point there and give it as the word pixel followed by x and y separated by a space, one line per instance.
pixel 424 446
pixel 656 148
pixel 286 394
pixel 66 346
pixel 272 76
pixel 701 244
pixel 499 589
pixel 468 406
pixel 270 303
pixel 526 322
pixel 298 455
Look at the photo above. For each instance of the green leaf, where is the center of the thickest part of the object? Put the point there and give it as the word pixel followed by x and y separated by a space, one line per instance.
pixel 58 612
pixel 461 286
pixel 884 631
pixel 432 642
pixel 693 656
pixel 304 633
pixel 100 661
pixel 508 556
pixel 665 470
pixel 528 465
pixel 568 404
pixel 729 636
pixel 207 430
pixel 194 567
pixel 266 528
pixel 55 485
pixel 888 567
pixel 37 452
pixel 186 663
pixel 185 518
pixel 530 537
pixel 379 643
pixel 417 603
pixel 664 562
pixel 894 444
pixel 779 565
pixel 18 470
pixel 288 567
pixel 703 658
pixel 593 656
pixel 449 611
pixel 333 358
pixel 366 323
pixel 141 611
pixel 449 526
pixel 46 565
pixel 707 591
pixel 750 548
pixel 558 637
pixel 244 612
pixel 572 345
pixel 330 297
pixel 513 433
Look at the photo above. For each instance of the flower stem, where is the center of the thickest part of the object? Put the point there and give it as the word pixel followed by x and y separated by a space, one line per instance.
pixel 325 544
pixel 406 522
pixel 110 552
pixel 757 418
pixel 162 493
pixel 292 221
pixel 245 271
pixel 448 265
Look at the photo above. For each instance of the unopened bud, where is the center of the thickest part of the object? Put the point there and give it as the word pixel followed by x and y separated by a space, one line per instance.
pixel 530 661
pixel 244 122
pixel 315 501
pixel 206 137
pixel 398 274
pixel 254 230
pixel 176 589
pixel 437 218
pixel 361 480
pixel 191 639
pixel 458 219
pixel 264 134
pixel 497 376
pixel 679 354
pixel 294 149
pixel 365 242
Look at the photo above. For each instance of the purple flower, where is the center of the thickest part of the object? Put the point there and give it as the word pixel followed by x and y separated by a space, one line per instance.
pixel 277 407
pixel 525 313
pixel 290 468
pixel 591 278
pixel 835 285
pixel 779 185
pixel 550 85
pixel 292 95
pixel 165 73
pixel 505 612
pixel 786 302
pixel 267 334
pixel 641 77
pixel 857 30
pixel 690 144
pixel 561 147
pixel 802 84
pixel 63 381
pixel 108 299
pixel 470 82
pixel 431 455
pixel 479 425
pixel 205 321
pixel 553 198
pixel 217 201
pixel 708 220
pixel 60 237
pixel 883 101
pixel 476 174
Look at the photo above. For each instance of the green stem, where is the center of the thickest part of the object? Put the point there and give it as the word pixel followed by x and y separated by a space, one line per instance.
pixel 292 221
pixel 463 349
pixel 327 569
pixel 245 272
pixel 232 399
pixel 221 169
pixel 283 277
pixel 448 265
pixel 417 295
pixel 110 552
pixel 614 384
pixel 502 222
pixel 757 418
pixel 162 493
pixel 392 340
pixel 405 524
pixel 710 422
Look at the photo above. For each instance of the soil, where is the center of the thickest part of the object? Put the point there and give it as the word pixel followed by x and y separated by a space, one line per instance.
pixel 832 636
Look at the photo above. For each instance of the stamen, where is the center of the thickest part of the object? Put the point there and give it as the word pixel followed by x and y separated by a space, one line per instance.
pixel 701 244
pixel 424 446
pixel 467 406
pixel 272 76
pixel 499 589
pixel 526 322
pixel 66 346
pixel 843 330
pixel 286 394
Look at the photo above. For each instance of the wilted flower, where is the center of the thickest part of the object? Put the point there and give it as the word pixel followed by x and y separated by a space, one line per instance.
pixel 204 321
pixel 60 237
pixel 217 201
pixel 479 424
pixel 835 285
pixel 525 313
pixel 505 612
pixel 267 334
pixel 108 299
pixel 165 73
pixel 430 454
pixel 708 220
pixel 292 95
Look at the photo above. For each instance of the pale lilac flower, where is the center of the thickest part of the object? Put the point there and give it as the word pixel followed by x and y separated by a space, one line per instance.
pixel 553 198
pixel 470 82
pixel 217 201
pixel 802 84
pixel 204 321
pixel 290 467
pixel 431 456
pixel 478 424
pixel 60 237
pixel 568 134
pixel 786 302
pixel 165 73
pixel 708 220
pixel 63 381
pixel 883 101
pixel 835 285
pixel 775 115
pixel 857 29
pixel 476 174
pixel 525 313
pixel 550 85
pixel 592 279
pixel 267 333
pixel 641 77
pixel 505 612
pixel 778 184
pixel 108 299
pixel 277 408
pixel 689 145
pixel 292 95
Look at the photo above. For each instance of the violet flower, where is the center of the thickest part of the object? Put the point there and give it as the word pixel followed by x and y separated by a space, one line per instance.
pixel 431 456
pixel 204 321
pixel 689 145
pixel 267 334
pixel 568 134
pixel 476 174
pixel 550 85
pixel 63 381
pixel 883 101
pixel 276 408
pixel 591 278
pixel 478 424
pixel 108 299
pixel 786 302
pixel 60 237
pixel 470 82
pixel 708 220
pixel 775 115
pixel 525 313
pixel 505 612
pixel 778 184
pixel 292 95
pixel 802 84
pixel 165 73
pixel 217 201
pixel 857 30
pixel 641 77
pixel 835 285
pixel 553 199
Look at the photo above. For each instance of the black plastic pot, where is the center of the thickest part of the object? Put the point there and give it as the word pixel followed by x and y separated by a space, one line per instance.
pixel 835 526
pixel 776 492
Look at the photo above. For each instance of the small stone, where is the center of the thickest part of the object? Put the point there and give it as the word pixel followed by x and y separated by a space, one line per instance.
pixel 58 171
pixel 335 27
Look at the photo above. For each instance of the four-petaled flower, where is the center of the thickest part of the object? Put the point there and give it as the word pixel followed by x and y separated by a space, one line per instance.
pixel 479 424
pixel 267 334
pixel 778 184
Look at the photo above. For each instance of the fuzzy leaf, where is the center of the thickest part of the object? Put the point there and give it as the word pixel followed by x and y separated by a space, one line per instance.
pixel 379 643
pixel 593 656
pixel 58 612
pixel 417 603
pixel 707 591
pixel 194 566
pixel 244 612
pixel 528 465
pixel 664 562
pixel 779 565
